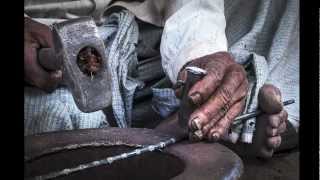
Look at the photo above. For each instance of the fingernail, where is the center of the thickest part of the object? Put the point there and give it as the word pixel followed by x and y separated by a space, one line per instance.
pixel 196 98
pixel 215 136
pixel 195 123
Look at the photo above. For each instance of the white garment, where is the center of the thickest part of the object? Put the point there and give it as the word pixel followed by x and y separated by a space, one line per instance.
pixel 195 30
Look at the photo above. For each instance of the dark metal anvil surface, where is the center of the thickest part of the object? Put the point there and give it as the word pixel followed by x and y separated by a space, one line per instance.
pixel 182 161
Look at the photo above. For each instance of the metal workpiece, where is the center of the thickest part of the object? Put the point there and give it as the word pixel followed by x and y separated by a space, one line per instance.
pixel 90 92
pixel 78 6
pixel 241 118
pixel 106 161
pixel 50 152
pixel 67 9
pixel 194 74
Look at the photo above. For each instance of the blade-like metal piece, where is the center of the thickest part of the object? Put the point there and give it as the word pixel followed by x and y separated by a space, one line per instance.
pixel 105 161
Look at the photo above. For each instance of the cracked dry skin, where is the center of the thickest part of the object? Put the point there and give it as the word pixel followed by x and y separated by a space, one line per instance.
pixel 58 150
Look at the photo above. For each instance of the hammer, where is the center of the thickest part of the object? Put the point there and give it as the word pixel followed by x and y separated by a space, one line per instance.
pixel 79 51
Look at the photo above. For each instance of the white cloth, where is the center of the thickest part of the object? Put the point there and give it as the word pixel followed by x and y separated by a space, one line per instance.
pixel 195 30
pixel 56 111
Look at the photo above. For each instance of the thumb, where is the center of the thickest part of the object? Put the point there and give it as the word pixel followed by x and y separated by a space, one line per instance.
pixel 48 59
pixel 269 99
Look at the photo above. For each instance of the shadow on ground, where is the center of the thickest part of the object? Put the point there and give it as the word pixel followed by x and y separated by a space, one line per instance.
pixel 281 167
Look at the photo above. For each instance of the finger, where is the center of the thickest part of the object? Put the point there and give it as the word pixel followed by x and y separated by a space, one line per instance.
pixel 36 75
pixel 282 128
pixel 48 59
pixel 222 126
pixel 241 92
pixel 207 85
pixel 219 102
pixel 283 115
pixel 269 98
pixel 274 120
pixel 40 32
pixel 274 142
pixel 46 39
pixel 203 89
pixel 44 36
pixel 271 132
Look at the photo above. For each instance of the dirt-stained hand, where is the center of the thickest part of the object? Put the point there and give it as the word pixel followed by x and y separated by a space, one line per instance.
pixel 219 95
pixel 37 36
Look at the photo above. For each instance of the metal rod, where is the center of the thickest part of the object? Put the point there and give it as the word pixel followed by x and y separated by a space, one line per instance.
pixel 105 161
pixel 252 114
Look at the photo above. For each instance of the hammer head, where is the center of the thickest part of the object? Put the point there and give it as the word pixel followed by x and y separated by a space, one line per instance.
pixel 84 63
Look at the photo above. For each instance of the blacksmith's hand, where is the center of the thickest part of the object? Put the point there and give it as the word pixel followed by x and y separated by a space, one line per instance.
pixel 37 36
pixel 219 96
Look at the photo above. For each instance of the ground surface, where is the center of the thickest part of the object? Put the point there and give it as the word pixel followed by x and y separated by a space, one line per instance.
pixel 281 167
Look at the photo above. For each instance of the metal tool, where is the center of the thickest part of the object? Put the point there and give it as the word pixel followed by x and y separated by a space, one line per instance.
pixel 246 116
pixel 91 93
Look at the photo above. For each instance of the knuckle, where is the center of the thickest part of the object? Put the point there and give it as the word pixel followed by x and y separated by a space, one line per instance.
pixel 272 131
pixel 221 113
pixel 274 120
pixel 213 122
pixel 228 118
pixel 224 95
pixel 215 75
pixel 223 123
pixel 238 71
pixel 242 93
pixel 202 115
pixel 206 128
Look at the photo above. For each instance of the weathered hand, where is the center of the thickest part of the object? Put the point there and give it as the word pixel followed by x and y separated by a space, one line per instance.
pixel 219 96
pixel 37 36
pixel 271 123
